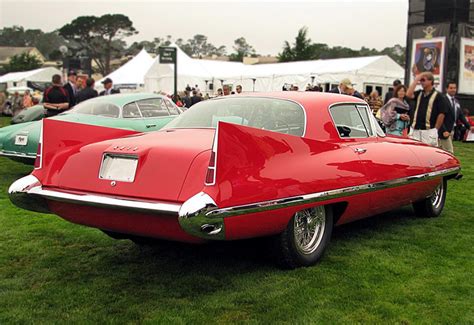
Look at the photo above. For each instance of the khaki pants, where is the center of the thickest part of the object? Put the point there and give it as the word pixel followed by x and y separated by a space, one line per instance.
pixel 447 144
pixel 426 136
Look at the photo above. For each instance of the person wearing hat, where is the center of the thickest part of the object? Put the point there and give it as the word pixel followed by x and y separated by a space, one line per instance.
pixel 345 87
pixel 109 89
pixel 70 87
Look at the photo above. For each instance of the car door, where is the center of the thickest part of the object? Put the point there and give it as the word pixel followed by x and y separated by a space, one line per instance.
pixel 381 160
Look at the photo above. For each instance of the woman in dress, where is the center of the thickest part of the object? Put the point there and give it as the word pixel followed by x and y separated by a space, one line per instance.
pixel 394 113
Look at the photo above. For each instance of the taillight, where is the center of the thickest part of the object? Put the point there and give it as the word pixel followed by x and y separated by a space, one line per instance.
pixel 211 168
pixel 39 150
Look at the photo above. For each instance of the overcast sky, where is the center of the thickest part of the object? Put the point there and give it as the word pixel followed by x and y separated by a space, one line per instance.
pixel 264 24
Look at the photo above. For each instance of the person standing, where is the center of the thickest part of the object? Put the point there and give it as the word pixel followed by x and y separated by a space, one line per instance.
pixel 394 113
pixel 453 114
pixel 55 98
pixel 109 89
pixel 238 89
pixel 430 109
pixel 27 99
pixel 70 87
pixel 389 94
pixel 196 97
pixel 374 101
pixel 88 92
pixel 345 87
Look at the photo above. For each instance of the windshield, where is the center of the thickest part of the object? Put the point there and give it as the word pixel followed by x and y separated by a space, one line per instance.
pixel 264 113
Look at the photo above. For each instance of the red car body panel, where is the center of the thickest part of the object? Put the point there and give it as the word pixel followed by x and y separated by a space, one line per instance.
pixel 253 166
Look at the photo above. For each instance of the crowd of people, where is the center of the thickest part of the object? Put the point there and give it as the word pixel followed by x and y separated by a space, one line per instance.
pixel 427 115
pixel 57 98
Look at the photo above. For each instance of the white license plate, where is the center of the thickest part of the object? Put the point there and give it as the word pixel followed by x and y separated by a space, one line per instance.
pixel 21 140
pixel 118 168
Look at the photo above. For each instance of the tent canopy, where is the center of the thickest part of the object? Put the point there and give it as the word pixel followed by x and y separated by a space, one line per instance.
pixel 37 75
pixel 132 72
pixel 380 70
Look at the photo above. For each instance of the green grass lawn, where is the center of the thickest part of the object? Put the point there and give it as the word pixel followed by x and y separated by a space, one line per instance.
pixel 388 269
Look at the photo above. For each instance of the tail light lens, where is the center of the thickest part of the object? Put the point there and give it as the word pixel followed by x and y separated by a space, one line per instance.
pixel 211 170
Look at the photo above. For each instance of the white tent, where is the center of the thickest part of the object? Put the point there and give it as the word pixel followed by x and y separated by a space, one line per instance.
pixel 373 71
pixel 160 77
pixel 132 73
pixel 20 79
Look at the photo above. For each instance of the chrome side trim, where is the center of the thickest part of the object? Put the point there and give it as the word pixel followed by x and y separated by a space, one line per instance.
pixel 199 215
pixel 17 155
pixel 200 210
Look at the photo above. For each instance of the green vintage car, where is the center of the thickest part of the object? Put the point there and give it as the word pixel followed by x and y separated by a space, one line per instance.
pixel 34 113
pixel 138 111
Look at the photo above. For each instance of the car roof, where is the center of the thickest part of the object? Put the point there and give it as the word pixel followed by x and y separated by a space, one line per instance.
pixel 123 99
pixel 305 98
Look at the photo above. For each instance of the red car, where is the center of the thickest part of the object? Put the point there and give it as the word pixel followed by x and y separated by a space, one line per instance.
pixel 289 165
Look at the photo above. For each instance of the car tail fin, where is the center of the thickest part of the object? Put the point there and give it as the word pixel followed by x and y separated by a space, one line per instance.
pixel 254 165
pixel 60 139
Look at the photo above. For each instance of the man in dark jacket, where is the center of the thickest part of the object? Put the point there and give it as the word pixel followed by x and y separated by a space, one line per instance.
pixel 88 92
pixel 389 94
pixel 109 89
pixel 70 87
pixel 453 115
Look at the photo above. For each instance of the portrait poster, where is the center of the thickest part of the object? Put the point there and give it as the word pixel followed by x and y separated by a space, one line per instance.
pixel 428 55
pixel 466 66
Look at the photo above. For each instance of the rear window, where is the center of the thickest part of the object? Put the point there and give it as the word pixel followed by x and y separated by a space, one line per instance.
pixel 94 108
pixel 276 115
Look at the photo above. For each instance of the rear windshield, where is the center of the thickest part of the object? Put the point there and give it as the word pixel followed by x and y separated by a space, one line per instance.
pixel 92 107
pixel 277 115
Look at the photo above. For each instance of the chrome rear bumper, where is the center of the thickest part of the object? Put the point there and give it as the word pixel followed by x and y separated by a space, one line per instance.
pixel 28 193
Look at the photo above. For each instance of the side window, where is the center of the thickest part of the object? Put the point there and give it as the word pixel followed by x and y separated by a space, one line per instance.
pixel 131 111
pixel 349 122
pixel 173 109
pixel 154 107
pixel 364 113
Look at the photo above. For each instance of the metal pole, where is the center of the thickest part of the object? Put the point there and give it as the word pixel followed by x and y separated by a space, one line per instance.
pixel 175 73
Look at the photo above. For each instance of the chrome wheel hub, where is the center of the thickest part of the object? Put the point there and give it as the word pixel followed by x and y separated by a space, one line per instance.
pixel 309 228
pixel 437 196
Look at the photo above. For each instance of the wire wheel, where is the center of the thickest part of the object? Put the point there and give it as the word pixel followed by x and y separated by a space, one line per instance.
pixel 309 227
pixel 437 196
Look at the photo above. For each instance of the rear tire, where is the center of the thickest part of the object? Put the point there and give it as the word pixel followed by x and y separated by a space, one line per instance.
pixel 306 237
pixel 432 206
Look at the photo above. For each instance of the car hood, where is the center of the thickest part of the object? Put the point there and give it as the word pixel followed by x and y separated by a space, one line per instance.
pixel 165 160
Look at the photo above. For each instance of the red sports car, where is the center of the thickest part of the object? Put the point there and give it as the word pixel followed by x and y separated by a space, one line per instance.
pixel 289 165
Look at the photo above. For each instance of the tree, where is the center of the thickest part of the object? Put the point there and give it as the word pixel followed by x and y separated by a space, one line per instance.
pixel 23 62
pixel 242 49
pixel 47 43
pixel 101 37
pixel 301 50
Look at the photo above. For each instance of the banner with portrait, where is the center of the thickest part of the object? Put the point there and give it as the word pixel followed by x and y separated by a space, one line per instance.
pixel 466 66
pixel 428 56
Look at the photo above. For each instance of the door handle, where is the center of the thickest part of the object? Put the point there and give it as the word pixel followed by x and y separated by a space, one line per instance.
pixel 151 125
pixel 360 150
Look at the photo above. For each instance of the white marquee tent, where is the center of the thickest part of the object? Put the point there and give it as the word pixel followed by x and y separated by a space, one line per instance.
pixel 20 79
pixel 374 71
pixel 132 73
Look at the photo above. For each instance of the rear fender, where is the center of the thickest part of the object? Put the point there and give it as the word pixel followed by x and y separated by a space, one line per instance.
pixel 62 139
pixel 255 165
